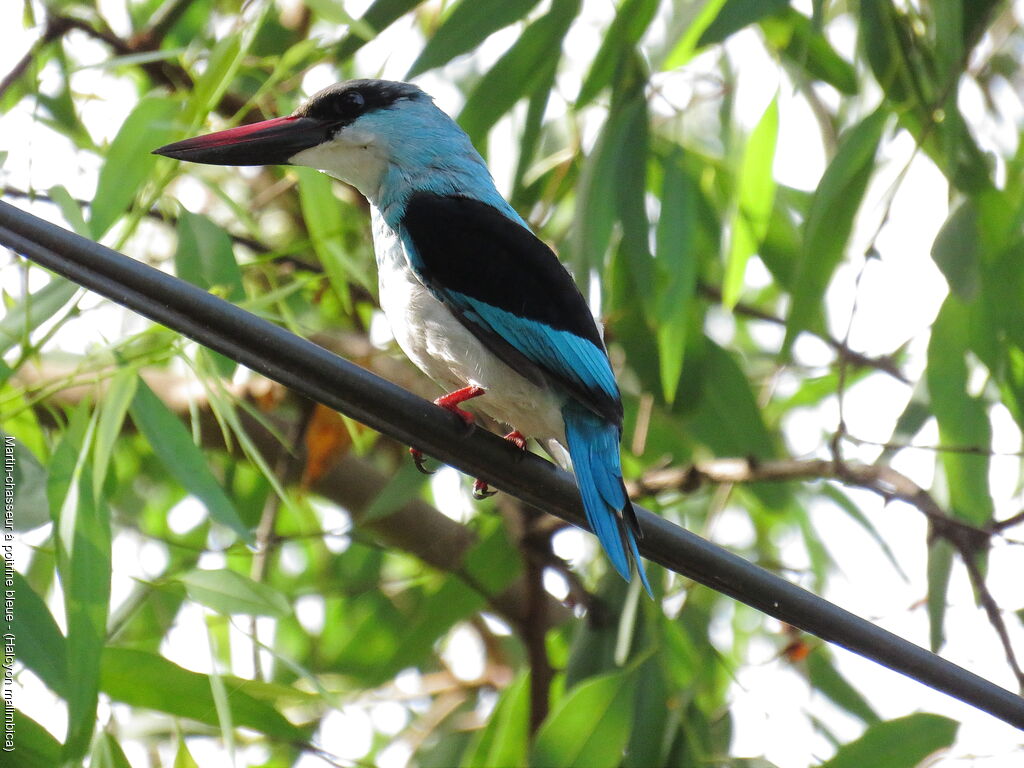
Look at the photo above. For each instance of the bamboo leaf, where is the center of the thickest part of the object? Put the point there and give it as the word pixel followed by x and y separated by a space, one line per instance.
pixel 41 646
pixel 107 753
pixel 631 21
pixel 503 741
pixel 113 409
pixel 229 592
pixel 590 726
pixel 516 74
pixel 826 678
pixel 957 251
pixel 901 743
pixel 830 220
pixel 128 161
pixel 963 418
pixel 734 15
pixel 676 262
pixel 755 196
pixel 36 748
pixel 467 25
pixel 378 17
pixel 174 447
pixel 33 310
pixel 149 681
pixel 84 560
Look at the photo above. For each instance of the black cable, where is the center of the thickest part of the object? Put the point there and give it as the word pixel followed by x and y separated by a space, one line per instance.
pixel 339 384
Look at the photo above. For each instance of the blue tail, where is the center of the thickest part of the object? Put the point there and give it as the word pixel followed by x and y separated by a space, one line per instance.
pixel 594 449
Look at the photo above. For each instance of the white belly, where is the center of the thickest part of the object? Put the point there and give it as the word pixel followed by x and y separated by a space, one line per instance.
pixel 447 352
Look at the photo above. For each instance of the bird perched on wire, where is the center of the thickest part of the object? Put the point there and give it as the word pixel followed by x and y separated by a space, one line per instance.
pixel 474 298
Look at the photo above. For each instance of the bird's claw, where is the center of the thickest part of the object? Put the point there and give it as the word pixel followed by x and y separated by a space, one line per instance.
pixel 481 490
pixel 420 461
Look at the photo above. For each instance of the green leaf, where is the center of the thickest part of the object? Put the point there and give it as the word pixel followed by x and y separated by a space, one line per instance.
pixel 467 25
pixel 84 560
pixel 517 74
pixel 32 311
pixel 107 753
pixel 378 17
pixel 957 251
pixel 590 726
pixel 334 13
pixel 183 758
pixel 676 262
pixel 940 566
pixel 826 678
pixel 503 741
pixel 734 15
pixel 802 42
pixel 687 46
pixel 222 63
pixel 963 418
pixel 631 21
pixel 849 507
pixel 205 258
pixel 653 715
pixel 174 447
pixel 31 505
pixel 322 214
pixel 40 642
pixel 405 485
pixel 727 418
pixel 830 220
pixel 35 747
pixel 149 681
pixel 230 592
pixel 70 209
pixel 755 195
pixel 128 161
pixel 608 176
pixel 904 742
pixel 113 409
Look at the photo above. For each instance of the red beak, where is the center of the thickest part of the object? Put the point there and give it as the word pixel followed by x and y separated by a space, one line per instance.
pixel 271 142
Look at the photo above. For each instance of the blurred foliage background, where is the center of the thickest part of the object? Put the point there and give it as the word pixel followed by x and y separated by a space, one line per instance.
pixel 215 572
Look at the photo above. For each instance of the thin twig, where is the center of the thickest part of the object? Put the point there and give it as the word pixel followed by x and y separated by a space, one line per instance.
pixel 995 615
pixel 885 363
pixel 55 27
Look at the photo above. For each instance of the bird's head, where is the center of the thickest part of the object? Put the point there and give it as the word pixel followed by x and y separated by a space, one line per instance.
pixel 380 136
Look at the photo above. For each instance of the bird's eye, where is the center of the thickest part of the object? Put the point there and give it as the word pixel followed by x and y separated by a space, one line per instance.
pixel 351 104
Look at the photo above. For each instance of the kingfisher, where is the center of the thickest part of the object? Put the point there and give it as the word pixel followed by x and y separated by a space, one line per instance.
pixel 474 298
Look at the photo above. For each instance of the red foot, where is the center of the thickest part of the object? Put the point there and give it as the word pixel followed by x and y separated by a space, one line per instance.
pixel 449 402
pixel 517 438
pixel 452 400
pixel 480 488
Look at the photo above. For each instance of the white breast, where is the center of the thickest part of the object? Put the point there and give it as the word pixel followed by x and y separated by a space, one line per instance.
pixel 447 352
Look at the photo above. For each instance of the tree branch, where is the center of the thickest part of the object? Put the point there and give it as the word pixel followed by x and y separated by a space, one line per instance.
pixel 885 363
pixel 339 384
pixel 892 485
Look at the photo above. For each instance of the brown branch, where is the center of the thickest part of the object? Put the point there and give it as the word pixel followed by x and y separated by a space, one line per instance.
pixel 884 363
pixel 351 482
pixel 1009 522
pixel 995 615
pixel 883 480
pixel 890 484
pixel 536 547
pixel 165 73
pixel 55 28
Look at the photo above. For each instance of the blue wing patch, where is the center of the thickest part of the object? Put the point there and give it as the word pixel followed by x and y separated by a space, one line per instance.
pixel 509 289
pixel 561 353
